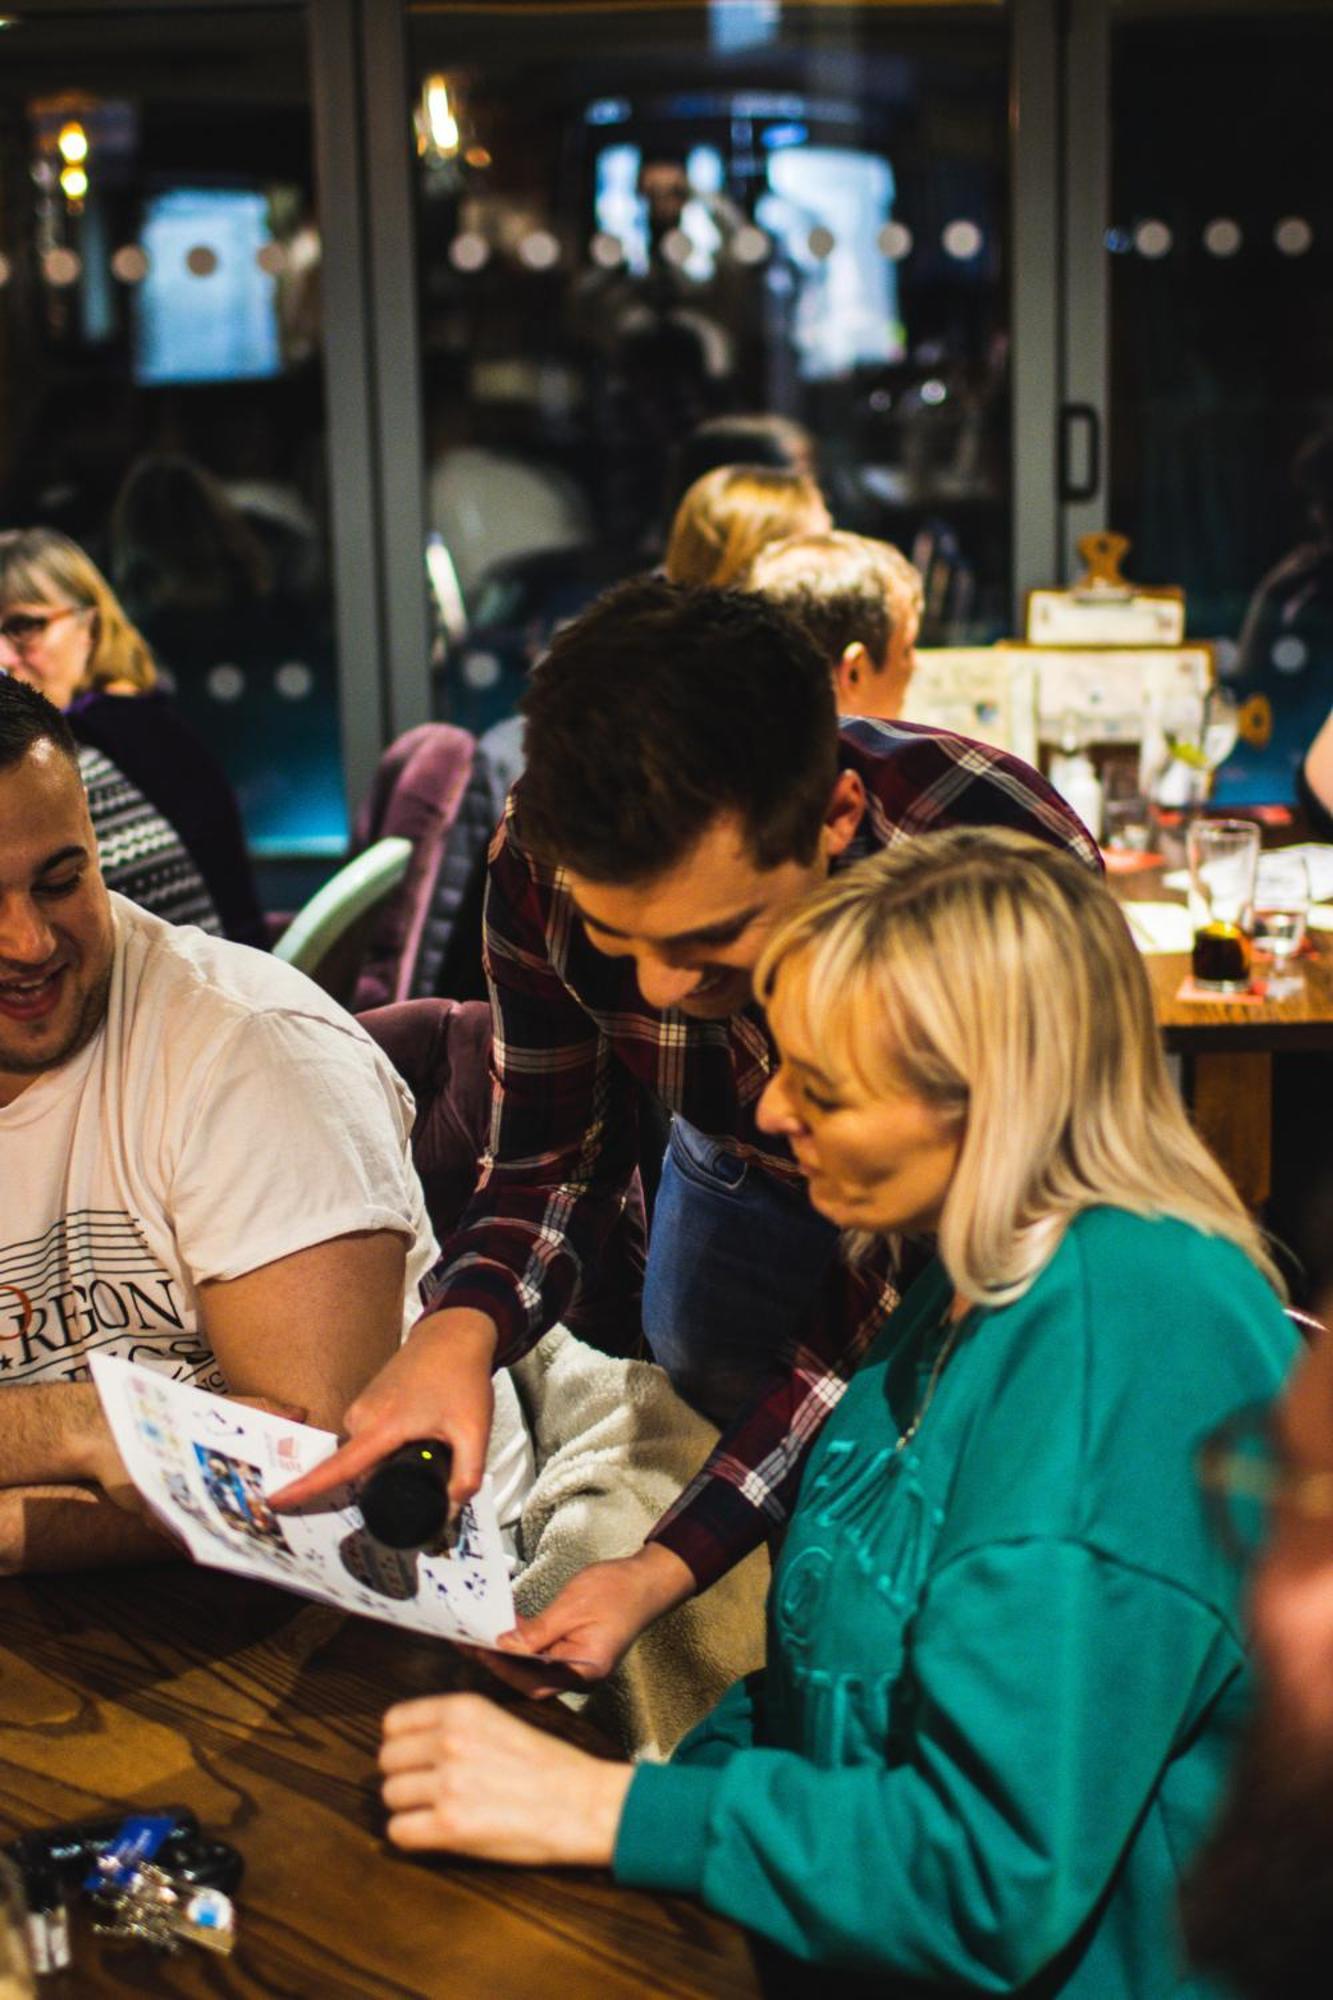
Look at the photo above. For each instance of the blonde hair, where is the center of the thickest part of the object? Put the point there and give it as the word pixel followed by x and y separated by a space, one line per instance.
pixel 994 978
pixel 727 516
pixel 39 565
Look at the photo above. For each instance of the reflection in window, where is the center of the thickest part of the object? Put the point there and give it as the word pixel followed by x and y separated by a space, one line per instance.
pixel 1222 440
pixel 846 305
pixel 215 324
pixel 753 209
pixel 162 399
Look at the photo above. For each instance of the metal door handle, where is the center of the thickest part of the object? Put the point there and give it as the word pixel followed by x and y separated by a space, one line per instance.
pixel 1076 418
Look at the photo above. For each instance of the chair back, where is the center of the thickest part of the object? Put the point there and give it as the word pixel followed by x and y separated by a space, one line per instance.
pixel 442 1049
pixel 325 938
pixel 434 789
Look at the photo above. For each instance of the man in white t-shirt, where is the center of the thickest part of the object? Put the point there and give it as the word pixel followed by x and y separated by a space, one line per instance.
pixel 204 1167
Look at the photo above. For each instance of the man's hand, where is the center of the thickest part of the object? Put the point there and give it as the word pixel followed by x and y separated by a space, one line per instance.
pixel 102 1464
pixel 438 1385
pixel 97 1459
pixel 462 1775
pixel 56 1435
pixel 593 1622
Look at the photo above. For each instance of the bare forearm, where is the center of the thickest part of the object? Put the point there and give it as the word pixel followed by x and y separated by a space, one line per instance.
pixel 311 1329
pixel 48 1433
pixel 59 1527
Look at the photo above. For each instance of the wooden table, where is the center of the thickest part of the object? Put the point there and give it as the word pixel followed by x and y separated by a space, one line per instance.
pixel 261 1711
pixel 1228 1046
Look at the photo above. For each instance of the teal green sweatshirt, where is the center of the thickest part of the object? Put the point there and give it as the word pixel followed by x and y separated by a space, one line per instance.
pixel 1005 1666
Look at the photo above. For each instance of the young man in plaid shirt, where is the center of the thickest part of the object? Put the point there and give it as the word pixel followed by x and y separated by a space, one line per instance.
pixel 687 784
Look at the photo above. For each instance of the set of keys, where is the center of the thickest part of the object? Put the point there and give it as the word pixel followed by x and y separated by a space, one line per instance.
pixel 155 1877
pixel 156 1908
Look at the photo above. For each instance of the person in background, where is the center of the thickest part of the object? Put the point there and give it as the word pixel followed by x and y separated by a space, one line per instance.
pixel 205 1167
pixel 687 785
pixel 1314 783
pixel 727 517
pixel 141 856
pixel 777 444
pixel 64 632
pixel 1284 654
pixel 232 600
pixel 756 438
pixel 860 601
pixel 723 521
pixel 1005 1657
pixel 179 542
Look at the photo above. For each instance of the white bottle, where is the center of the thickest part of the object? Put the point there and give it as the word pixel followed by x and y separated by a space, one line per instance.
pixel 1074 776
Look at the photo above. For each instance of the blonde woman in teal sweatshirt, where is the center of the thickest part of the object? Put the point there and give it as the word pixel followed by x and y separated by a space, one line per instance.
pixel 1006 1661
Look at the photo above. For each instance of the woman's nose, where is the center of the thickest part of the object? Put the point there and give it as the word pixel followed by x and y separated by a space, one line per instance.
pixel 774 1112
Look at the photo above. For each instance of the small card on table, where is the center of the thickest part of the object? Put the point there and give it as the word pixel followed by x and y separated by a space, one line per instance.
pixel 1189 989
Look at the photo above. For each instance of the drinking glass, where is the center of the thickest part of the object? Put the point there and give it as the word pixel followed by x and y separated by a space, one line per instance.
pixel 1221 728
pixel 1126 813
pixel 16 1975
pixel 1223 855
pixel 1193 739
pixel 1281 909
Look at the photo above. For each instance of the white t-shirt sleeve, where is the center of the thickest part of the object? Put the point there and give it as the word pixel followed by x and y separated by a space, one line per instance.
pixel 299 1132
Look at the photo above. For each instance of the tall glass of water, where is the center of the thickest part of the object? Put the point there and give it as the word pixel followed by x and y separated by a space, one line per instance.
pixel 1281 912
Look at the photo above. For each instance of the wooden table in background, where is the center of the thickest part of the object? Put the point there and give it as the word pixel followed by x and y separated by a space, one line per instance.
pixel 261 1711
pixel 1228 1046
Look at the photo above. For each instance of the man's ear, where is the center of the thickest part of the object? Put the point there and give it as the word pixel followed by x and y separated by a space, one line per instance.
pixel 844 813
pixel 849 675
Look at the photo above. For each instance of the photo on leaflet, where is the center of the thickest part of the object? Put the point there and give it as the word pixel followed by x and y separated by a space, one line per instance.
pixel 183 1496
pixel 237 1492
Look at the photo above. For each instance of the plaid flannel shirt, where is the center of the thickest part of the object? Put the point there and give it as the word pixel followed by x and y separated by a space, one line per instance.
pixel 574 1039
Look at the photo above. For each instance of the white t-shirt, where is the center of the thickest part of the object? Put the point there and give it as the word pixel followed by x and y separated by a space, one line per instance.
pixel 226 1114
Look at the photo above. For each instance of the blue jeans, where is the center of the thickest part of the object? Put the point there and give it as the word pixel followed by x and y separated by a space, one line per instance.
pixel 735 1259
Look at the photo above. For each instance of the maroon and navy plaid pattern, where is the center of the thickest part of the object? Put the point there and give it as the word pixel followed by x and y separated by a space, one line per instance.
pixel 574 1042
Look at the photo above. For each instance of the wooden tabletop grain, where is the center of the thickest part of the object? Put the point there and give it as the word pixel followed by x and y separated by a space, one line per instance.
pixel 1305 1021
pixel 261 1711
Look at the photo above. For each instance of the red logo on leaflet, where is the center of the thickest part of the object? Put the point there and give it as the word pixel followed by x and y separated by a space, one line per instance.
pixel 25 1311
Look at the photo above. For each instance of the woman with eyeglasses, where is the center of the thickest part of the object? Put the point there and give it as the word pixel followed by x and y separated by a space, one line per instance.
pixel 64 631
pixel 1005 1654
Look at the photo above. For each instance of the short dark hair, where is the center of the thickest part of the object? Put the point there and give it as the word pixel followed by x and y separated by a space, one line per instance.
pixel 26 718
pixel 843 589
pixel 663 707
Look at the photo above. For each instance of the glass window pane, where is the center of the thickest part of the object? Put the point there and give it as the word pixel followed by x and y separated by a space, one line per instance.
pixel 161 377
pixel 1222 327
pixel 630 220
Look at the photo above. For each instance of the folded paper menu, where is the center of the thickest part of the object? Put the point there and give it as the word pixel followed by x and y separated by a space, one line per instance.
pixel 204 1465
pixel 1159 927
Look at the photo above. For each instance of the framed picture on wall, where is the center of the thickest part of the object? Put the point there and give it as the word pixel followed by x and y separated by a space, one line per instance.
pixel 1070 618
pixel 1103 608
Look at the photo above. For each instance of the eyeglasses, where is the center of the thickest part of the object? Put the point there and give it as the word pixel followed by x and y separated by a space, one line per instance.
pixel 1244 1479
pixel 20 628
